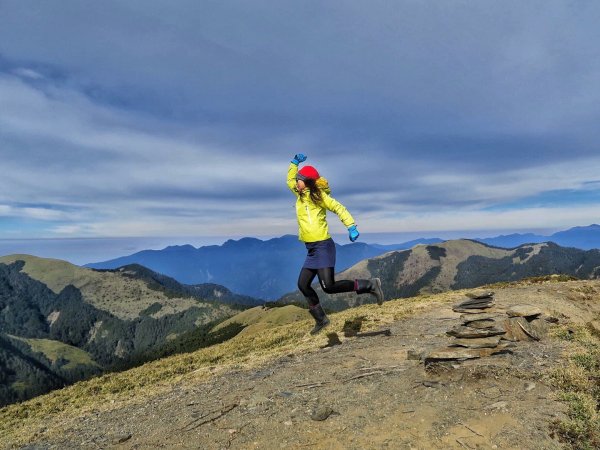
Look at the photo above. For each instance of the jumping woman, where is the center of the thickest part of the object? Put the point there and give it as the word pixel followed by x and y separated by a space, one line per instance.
pixel 312 202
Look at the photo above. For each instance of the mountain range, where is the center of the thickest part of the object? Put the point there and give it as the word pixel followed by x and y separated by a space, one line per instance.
pixel 584 238
pixel 269 269
pixel 263 269
pixel 457 264
pixel 60 323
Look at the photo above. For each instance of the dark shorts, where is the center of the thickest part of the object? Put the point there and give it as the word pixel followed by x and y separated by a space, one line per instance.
pixel 321 254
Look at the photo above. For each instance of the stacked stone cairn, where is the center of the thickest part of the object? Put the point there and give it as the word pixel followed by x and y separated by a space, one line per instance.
pixel 485 331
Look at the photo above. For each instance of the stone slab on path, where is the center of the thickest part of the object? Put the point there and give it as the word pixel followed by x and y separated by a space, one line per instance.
pixel 486 342
pixel 468 332
pixel 523 311
pixel 461 353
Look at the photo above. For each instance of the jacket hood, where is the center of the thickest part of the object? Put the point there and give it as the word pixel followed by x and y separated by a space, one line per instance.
pixel 323 184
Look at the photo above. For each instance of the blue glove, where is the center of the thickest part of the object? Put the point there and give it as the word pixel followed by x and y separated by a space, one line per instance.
pixel 353 233
pixel 299 158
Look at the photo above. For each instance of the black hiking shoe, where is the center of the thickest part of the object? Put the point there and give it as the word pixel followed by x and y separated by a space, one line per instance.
pixel 372 286
pixel 376 290
pixel 320 317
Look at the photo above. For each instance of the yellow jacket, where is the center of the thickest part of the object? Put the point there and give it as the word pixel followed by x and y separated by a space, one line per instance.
pixel 312 222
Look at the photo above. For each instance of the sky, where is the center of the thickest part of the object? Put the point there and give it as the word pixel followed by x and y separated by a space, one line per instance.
pixel 175 119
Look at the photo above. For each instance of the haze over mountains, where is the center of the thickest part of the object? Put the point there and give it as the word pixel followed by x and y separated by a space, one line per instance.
pixel 269 269
pixel 585 238
pixel 263 269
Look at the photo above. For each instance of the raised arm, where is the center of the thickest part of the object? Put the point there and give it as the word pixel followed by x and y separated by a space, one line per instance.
pixel 293 171
pixel 291 177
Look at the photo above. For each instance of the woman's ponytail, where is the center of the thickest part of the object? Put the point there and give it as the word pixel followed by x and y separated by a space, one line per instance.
pixel 314 189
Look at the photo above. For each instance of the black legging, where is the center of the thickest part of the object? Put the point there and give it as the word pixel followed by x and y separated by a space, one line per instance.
pixel 327 280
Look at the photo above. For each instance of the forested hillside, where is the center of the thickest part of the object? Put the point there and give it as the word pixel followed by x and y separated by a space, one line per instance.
pixel 54 333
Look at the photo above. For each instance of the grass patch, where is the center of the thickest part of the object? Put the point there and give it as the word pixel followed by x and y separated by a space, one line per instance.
pixel 543 279
pixel 579 387
pixel 55 350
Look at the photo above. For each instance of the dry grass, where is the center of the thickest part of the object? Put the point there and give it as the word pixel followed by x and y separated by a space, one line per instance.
pixel 54 350
pixel 20 423
pixel 578 382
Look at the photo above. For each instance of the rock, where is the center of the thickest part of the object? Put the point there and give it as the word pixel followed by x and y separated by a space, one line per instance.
pixel 120 438
pixel 481 324
pixel 479 295
pixel 486 342
pixel 473 310
pixel 475 304
pixel 468 332
pixel 594 327
pixel 414 354
pixel 514 328
pixel 523 311
pixel 519 329
pixel 466 318
pixel 451 353
pixel 537 328
pixel 497 405
pixel 530 386
pixel 257 400
pixel 321 413
pixel 478 308
pixel 458 353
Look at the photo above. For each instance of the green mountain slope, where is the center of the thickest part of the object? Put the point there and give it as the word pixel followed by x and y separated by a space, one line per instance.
pixel 61 316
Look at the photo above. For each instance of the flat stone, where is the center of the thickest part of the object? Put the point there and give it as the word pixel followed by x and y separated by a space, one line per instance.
pixel 466 318
pixel 452 353
pixel 120 438
pixel 481 324
pixel 321 413
pixel 486 342
pixel 498 405
pixel 523 311
pixel 468 332
pixel 485 301
pixel 474 301
pixel 415 354
pixel 478 295
pixel 460 353
pixel 466 307
pixel 472 310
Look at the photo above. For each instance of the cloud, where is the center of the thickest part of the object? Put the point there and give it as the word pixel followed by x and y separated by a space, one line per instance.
pixel 28 73
pixel 182 119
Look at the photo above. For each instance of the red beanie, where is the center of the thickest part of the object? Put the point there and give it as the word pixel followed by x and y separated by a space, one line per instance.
pixel 308 172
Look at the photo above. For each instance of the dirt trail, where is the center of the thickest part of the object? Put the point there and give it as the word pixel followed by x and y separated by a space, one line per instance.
pixel 376 396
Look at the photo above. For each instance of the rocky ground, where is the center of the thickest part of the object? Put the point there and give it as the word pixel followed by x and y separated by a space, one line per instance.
pixel 367 393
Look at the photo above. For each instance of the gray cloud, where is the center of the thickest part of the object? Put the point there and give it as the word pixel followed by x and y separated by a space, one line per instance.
pixel 113 109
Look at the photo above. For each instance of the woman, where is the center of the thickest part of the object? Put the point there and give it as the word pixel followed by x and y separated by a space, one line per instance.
pixel 312 202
